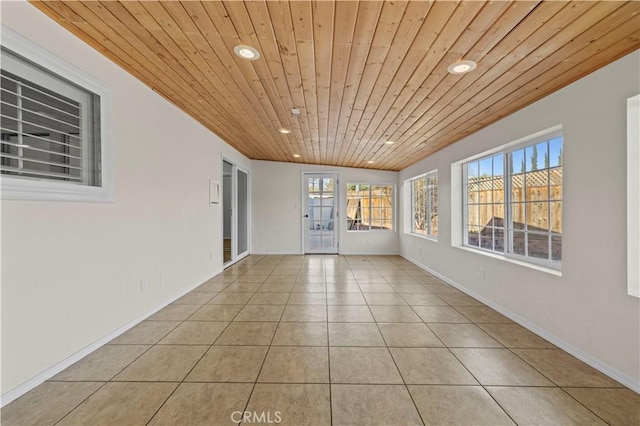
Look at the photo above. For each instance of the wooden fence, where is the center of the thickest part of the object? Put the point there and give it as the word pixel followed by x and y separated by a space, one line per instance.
pixel 485 199
pixel 358 211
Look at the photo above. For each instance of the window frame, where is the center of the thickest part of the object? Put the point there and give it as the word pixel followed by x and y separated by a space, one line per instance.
pixel 49 190
pixel 554 266
pixel 393 206
pixel 409 182
pixel 633 196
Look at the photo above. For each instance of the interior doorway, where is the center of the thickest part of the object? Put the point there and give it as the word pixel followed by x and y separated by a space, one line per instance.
pixel 235 212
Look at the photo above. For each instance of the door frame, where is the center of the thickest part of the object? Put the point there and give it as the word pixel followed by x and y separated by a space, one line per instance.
pixel 235 257
pixel 303 209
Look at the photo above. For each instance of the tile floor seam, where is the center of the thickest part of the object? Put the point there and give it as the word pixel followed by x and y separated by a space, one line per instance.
pixel 560 387
pixel 371 280
pixel 484 388
pixel 79 404
pixel 255 383
pixel 462 313
pixel 415 406
pixel 430 329
pixel 328 350
pixel 201 357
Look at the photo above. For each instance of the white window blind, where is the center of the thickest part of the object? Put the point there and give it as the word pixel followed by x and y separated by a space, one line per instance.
pixel 49 126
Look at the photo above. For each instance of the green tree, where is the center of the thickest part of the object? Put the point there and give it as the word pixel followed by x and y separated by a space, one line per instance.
pixel 534 158
pixel 546 160
pixel 560 157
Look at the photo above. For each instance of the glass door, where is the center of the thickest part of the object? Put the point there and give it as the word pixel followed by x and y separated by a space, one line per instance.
pixel 227 212
pixel 242 247
pixel 235 213
pixel 321 211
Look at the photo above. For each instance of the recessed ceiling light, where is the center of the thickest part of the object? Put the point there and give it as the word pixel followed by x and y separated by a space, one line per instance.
pixel 246 52
pixel 370 161
pixel 461 67
pixel 389 142
pixel 296 155
pixel 284 131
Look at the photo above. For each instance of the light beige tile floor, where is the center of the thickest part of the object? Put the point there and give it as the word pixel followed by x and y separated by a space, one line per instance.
pixel 320 340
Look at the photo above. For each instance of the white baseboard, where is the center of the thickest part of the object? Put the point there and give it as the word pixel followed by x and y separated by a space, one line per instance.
pixel 20 390
pixel 359 253
pixel 278 253
pixel 604 368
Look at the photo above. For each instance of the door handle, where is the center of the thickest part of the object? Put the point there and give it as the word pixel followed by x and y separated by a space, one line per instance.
pixel 306 215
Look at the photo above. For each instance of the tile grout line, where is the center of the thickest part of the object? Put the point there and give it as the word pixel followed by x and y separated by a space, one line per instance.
pixel 326 295
pixel 556 384
pixel 119 371
pixel 504 347
pixel 450 352
pixel 510 349
pixel 80 403
pixel 104 383
pixel 484 387
pixel 111 379
pixel 255 383
pixel 460 362
pixel 273 272
pixel 395 363
pixel 204 353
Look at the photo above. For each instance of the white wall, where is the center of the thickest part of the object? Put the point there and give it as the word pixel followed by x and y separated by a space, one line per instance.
pixel 276 190
pixel 71 272
pixel 587 309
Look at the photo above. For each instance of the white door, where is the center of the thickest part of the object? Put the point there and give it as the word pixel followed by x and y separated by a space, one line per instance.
pixel 320 213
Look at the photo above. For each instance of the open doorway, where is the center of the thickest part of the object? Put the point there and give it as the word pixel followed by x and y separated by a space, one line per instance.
pixel 235 212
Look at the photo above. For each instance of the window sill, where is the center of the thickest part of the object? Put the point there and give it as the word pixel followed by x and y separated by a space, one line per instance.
pixel 540 268
pixel 35 190
pixel 358 231
pixel 424 237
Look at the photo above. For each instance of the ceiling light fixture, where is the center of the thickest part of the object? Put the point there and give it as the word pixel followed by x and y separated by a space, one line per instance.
pixel 370 161
pixel 296 155
pixel 389 142
pixel 246 52
pixel 462 67
pixel 284 131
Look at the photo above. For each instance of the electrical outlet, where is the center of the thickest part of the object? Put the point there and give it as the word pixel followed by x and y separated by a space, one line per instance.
pixel 482 274
pixel 143 286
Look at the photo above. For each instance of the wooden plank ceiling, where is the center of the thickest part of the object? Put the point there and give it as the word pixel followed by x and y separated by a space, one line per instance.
pixel 361 72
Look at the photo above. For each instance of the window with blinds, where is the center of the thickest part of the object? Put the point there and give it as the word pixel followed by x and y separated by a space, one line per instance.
pixel 49 126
